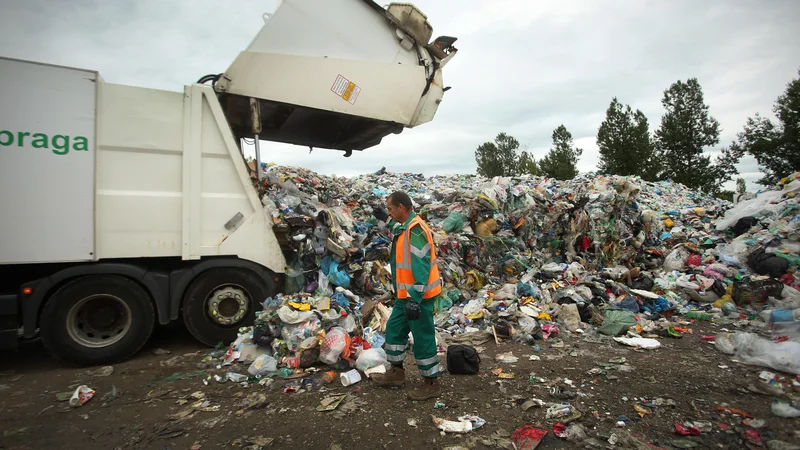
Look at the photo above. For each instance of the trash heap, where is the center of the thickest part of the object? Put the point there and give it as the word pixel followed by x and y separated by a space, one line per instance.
pixel 528 259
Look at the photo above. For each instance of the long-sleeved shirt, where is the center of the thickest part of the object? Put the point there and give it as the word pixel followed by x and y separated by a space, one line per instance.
pixel 420 261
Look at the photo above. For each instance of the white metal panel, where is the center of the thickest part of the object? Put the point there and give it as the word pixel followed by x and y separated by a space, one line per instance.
pixel 388 92
pixel 343 29
pixel 170 176
pixel 220 189
pixel 47 160
pixel 139 166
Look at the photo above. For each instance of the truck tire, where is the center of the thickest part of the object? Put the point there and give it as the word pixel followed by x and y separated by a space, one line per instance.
pixel 97 319
pixel 221 300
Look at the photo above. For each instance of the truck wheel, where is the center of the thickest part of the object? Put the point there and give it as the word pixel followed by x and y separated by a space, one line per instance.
pixel 97 319
pixel 220 301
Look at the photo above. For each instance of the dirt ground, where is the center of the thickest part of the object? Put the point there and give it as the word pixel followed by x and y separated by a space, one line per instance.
pixel 689 371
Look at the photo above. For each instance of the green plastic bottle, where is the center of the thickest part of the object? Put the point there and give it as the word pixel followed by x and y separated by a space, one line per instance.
pixel 697 315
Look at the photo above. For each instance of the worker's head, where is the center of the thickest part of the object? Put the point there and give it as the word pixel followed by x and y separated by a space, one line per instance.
pixel 399 207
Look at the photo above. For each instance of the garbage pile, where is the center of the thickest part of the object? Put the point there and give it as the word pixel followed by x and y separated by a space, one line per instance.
pixel 527 259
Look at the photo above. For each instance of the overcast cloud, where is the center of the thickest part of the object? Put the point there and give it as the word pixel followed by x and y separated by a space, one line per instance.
pixel 524 67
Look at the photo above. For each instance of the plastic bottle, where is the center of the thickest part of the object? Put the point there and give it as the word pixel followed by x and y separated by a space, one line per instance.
pixel 327 377
pixel 698 315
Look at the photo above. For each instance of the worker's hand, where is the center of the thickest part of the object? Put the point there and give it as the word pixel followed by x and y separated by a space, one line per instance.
pixel 380 213
pixel 412 310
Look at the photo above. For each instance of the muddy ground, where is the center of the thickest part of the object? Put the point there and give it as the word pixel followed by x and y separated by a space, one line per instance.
pixel 149 415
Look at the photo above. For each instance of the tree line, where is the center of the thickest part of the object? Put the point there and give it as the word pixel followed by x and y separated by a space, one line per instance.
pixel 676 151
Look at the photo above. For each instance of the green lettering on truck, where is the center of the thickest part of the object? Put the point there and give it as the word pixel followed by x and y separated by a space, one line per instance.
pixel 40 141
pixel 59 144
pixel 81 144
pixel 62 144
pixel 6 138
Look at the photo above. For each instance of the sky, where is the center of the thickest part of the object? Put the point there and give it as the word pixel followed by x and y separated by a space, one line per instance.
pixel 523 67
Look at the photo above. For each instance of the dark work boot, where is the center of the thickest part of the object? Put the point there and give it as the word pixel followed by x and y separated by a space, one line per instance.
pixel 429 388
pixel 396 376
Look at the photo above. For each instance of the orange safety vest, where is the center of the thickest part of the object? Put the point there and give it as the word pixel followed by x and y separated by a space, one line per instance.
pixel 404 274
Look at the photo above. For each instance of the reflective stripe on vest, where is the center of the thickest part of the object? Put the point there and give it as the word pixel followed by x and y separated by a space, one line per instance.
pixel 404 273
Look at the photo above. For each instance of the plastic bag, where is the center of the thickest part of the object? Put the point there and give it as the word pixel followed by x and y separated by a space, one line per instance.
pixel 333 345
pixel 337 276
pixel 617 322
pixel 473 307
pixel 453 223
pixel 676 260
pixel 263 366
pixel 293 316
pixel 752 349
pixel 528 324
pixel 507 292
pixel 370 358
pixel 348 323
pixel 570 316
pixel 294 335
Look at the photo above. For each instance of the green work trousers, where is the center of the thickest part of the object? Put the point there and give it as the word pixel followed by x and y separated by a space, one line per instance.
pixel 424 334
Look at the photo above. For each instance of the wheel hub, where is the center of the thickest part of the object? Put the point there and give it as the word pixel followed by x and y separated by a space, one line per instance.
pixel 99 320
pixel 228 305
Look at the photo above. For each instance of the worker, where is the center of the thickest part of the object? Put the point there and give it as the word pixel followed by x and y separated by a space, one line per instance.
pixel 417 283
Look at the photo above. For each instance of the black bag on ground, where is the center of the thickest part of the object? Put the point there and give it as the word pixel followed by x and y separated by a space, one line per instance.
pixel 462 360
pixel 764 263
pixel 744 224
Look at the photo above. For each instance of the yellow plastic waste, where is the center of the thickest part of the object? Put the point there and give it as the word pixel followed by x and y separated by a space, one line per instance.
pixel 487 228
pixel 475 279
pixel 669 223
pixel 544 316
pixel 722 300
pixel 323 303
pixel 491 202
pixel 300 306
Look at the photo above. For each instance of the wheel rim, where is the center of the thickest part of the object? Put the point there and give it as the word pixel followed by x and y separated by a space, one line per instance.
pixel 99 320
pixel 228 304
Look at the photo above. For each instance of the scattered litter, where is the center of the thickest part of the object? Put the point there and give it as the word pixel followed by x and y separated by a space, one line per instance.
pixel 528 437
pixel 111 395
pixel 81 395
pixel 103 371
pixel 464 424
pixel 331 403
pixel 639 342
pixel 506 358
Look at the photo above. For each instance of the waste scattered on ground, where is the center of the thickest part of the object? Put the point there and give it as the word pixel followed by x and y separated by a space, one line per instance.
pixel 102 372
pixel 464 424
pixel 528 437
pixel 81 395
pixel 111 395
pixel 331 403
pixel 605 260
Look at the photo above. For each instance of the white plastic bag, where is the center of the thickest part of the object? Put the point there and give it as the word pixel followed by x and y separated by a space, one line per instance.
pixel 332 345
pixel 782 409
pixel 370 358
pixel 507 292
pixel 348 323
pixel 292 316
pixel 570 316
pixel 752 349
pixel 724 343
pixel 676 260
pixel 263 366
pixel 639 342
pixel 473 307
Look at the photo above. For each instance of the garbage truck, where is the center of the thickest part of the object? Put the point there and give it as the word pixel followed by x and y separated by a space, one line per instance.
pixel 125 206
